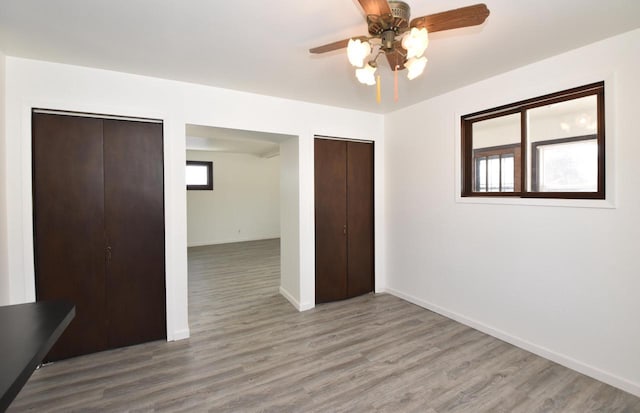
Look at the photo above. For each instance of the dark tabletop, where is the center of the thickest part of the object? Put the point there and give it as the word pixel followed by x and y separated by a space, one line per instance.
pixel 28 332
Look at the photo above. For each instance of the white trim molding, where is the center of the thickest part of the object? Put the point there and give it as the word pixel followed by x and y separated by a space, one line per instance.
pixel 299 306
pixel 562 359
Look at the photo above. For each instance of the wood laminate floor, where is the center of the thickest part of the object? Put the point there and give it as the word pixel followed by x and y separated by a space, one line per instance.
pixel 251 351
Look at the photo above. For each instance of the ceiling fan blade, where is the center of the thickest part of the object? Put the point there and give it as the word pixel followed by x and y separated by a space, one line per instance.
pixel 377 7
pixel 395 59
pixel 453 19
pixel 340 44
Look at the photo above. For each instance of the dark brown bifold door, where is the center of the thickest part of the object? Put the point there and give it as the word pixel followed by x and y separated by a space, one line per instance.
pixel 134 228
pixel 68 203
pixel 330 219
pixel 98 191
pixel 359 218
pixel 343 219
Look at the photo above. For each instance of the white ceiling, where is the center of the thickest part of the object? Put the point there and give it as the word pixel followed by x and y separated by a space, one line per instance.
pixel 207 138
pixel 262 46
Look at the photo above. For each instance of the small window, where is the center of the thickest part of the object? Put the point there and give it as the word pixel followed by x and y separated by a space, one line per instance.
pixel 199 175
pixel 494 169
pixel 547 147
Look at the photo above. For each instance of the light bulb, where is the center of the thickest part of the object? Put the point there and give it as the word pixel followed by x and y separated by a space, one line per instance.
pixel 366 75
pixel 415 67
pixel 357 51
pixel 415 42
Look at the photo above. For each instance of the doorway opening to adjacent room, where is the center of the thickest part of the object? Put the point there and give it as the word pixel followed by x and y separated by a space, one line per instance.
pixel 235 217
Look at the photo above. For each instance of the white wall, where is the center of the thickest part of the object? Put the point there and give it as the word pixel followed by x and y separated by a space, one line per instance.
pixel 244 204
pixel 40 84
pixel 290 223
pixel 560 281
pixel 4 271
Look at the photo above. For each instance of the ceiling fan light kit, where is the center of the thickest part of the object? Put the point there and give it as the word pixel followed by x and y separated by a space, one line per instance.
pixel 357 51
pixel 403 41
pixel 415 66
pixel 415 42
pixel 366 75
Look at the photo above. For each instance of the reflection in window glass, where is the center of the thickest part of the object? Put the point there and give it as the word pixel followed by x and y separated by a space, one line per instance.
pixel 507 173
pixel 495 169
pixel 504 130
pixel 482 175
pixel 493 174
pixel 568 167
pixel 555 131
pixel 551 146
pixel 494 141
pixel 576 117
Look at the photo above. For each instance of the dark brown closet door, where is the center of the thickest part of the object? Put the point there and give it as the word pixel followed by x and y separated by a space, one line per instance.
pixel 359 218
pixel 134 218
pixel 68 202
pixel 330 219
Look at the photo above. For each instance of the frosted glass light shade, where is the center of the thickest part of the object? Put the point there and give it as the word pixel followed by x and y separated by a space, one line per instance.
pixel 357 51
pixel 366 75
pixel 415 42
pixel 415 67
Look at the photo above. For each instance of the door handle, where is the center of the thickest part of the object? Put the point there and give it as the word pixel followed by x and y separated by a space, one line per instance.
pixel 108 254
pixel 344 229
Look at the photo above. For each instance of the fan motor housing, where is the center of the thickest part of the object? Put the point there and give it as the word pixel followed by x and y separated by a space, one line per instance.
pixel 397 20
pixel 400 10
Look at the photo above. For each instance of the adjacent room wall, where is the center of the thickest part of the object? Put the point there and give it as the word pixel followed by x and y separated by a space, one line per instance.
pixel 244 204
pixel 561 281
pixel 4 271
pixel 32 83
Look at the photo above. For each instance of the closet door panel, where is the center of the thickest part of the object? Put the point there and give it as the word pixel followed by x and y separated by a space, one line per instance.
pixel 68 202
pixel 360 237
pixel 330 220
pixel 134 218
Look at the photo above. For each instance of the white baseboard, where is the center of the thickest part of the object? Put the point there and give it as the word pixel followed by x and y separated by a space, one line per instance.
pixel 300 307
pixel 286 294
pixel 596 373
pixel 229 241
pixel 306 306
pixel 180 335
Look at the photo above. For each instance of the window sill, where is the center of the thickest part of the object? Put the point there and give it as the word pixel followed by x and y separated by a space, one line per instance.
pixel 544 202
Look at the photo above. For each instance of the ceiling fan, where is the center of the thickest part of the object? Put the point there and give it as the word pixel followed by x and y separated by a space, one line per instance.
pixel 401 39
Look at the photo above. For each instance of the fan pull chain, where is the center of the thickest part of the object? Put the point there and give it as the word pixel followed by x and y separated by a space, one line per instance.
pixel 395 84
pixel 378 94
